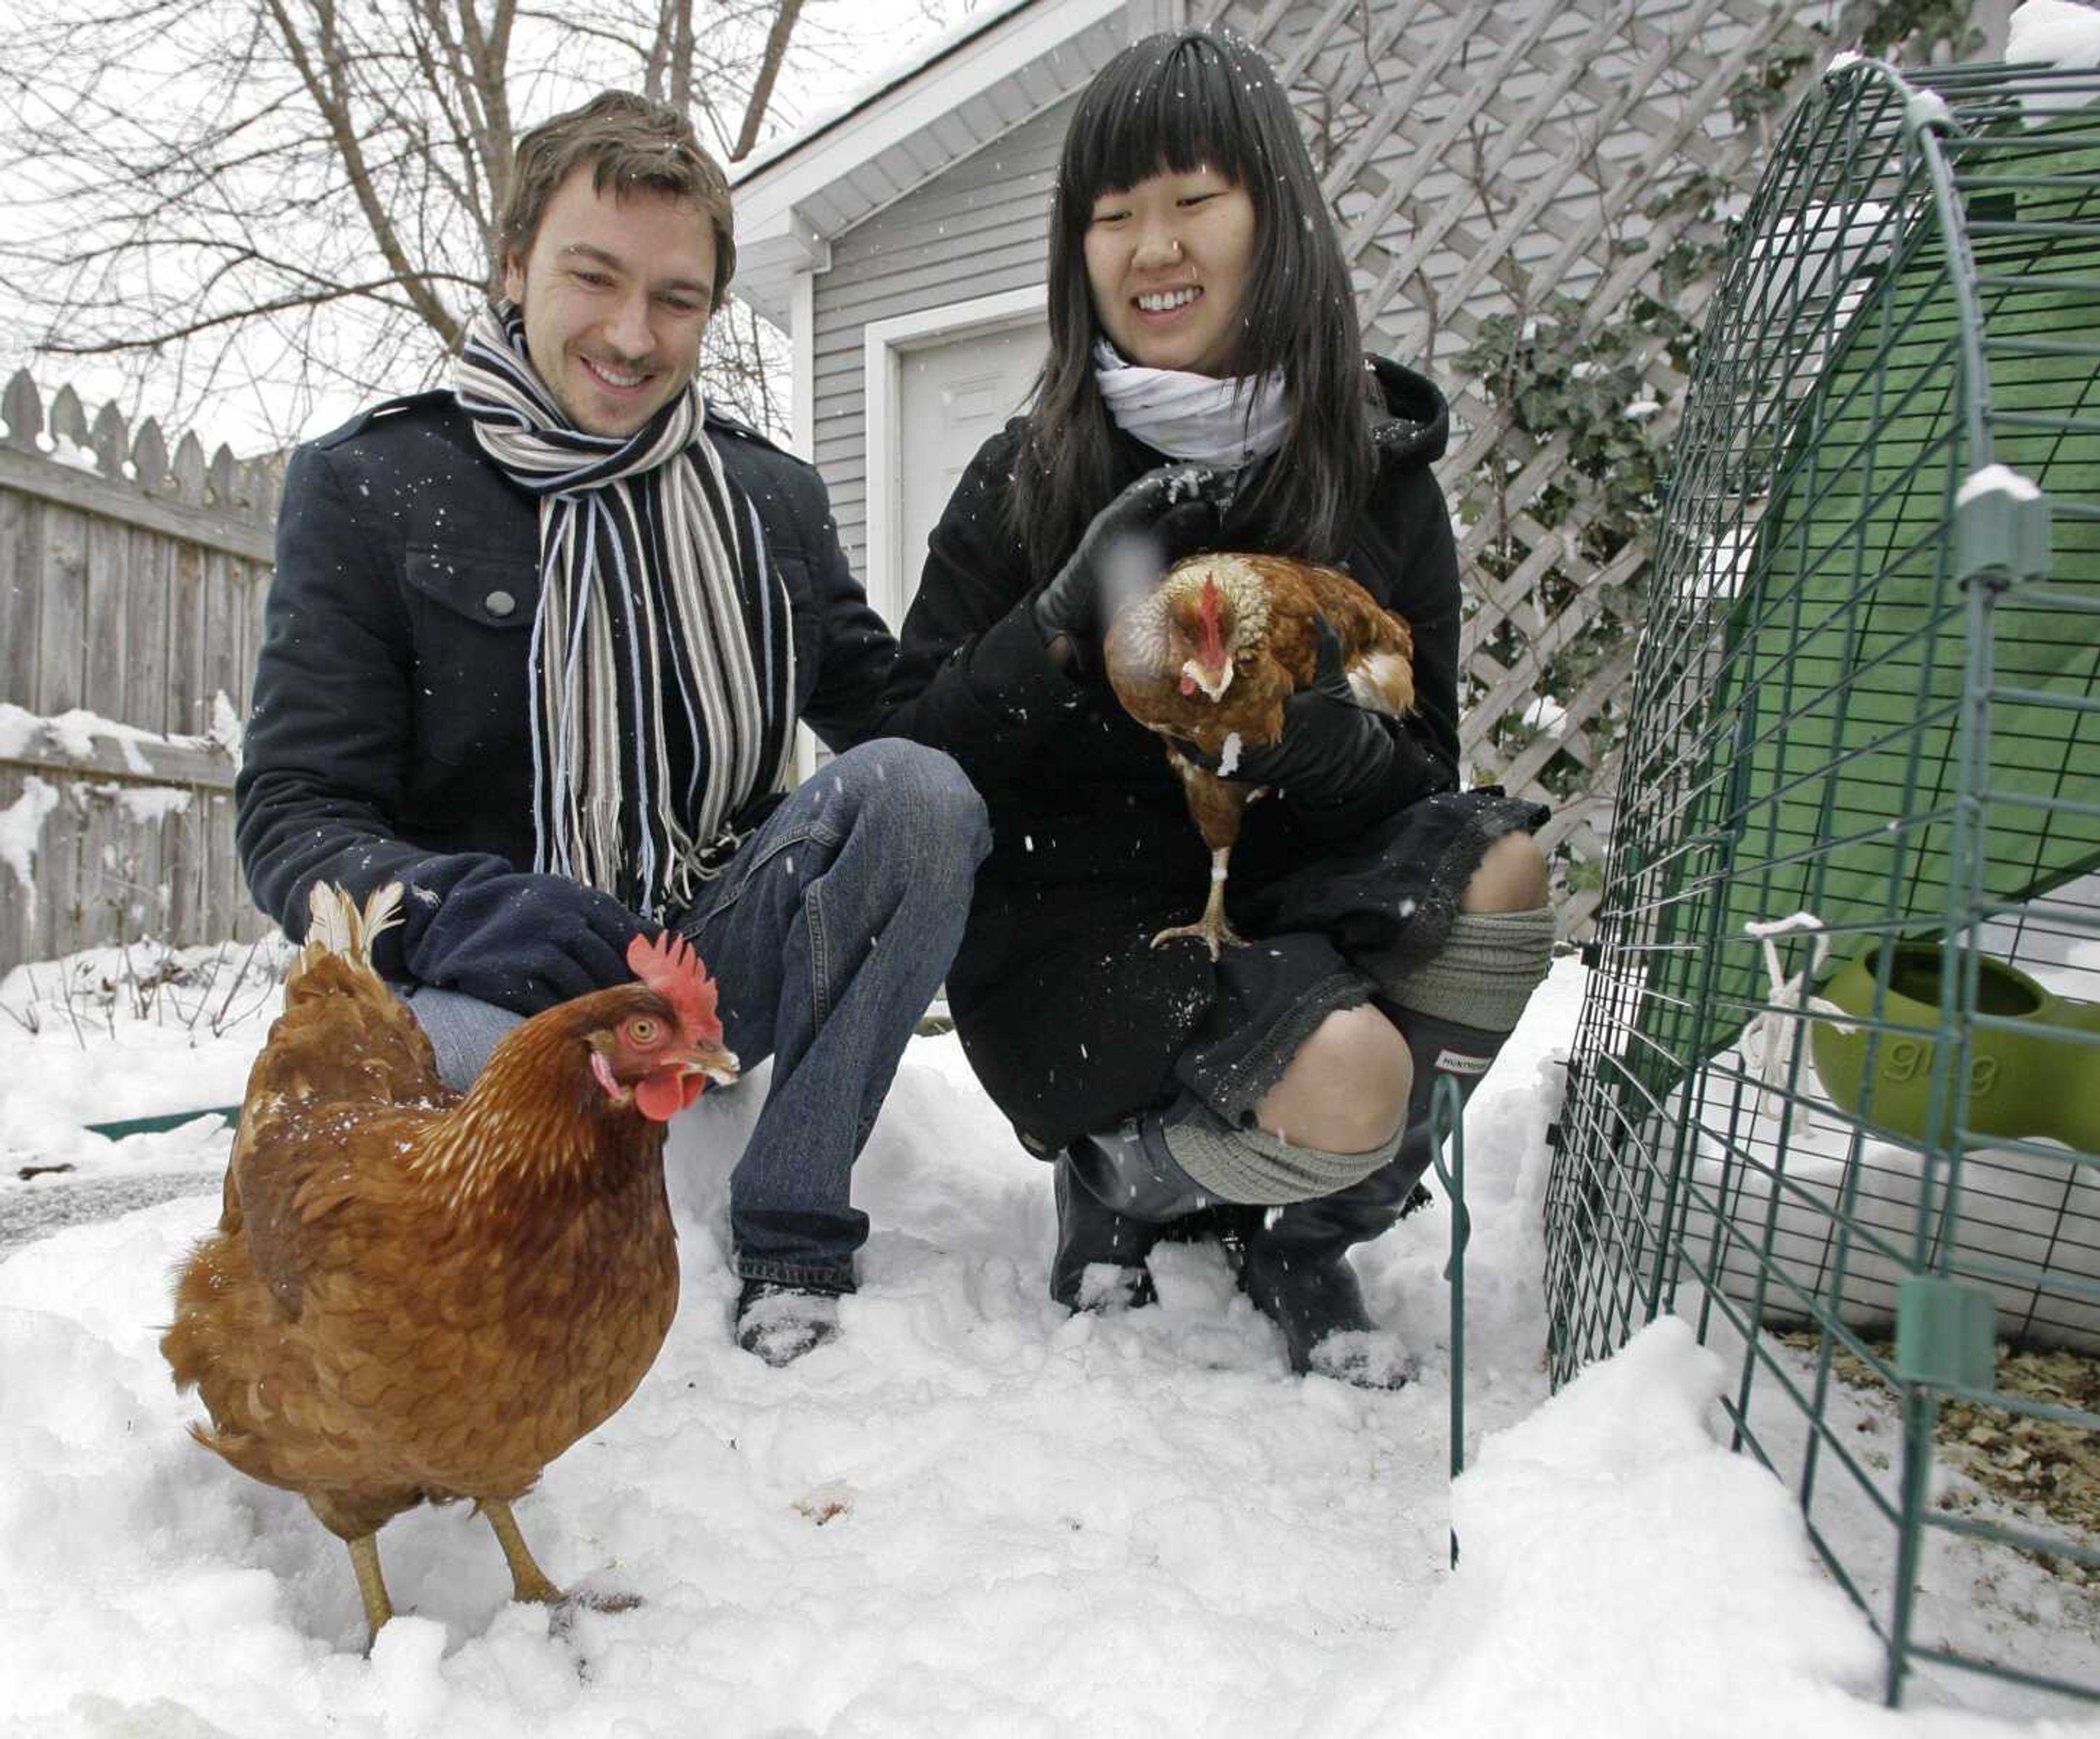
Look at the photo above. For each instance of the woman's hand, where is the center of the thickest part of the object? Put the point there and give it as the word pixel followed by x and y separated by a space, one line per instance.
pixel 1170 512
pixel 1332 752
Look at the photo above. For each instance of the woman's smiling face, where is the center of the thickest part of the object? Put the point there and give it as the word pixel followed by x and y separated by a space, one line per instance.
pixel 1166 261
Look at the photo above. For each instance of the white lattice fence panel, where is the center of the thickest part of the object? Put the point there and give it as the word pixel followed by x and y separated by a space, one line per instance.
pixel 1483 159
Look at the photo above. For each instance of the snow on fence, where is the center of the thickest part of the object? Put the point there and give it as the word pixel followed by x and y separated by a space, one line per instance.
pixel 131 583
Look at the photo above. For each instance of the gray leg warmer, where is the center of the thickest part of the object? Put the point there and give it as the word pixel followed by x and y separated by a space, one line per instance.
pixel 1251 1165
pixel 1484 974
pixel 1478 983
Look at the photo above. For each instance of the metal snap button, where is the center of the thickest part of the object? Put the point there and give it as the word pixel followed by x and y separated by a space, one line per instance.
pixel 499 603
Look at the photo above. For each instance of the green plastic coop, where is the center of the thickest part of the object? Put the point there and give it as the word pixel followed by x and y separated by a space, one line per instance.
pixel 1835 1094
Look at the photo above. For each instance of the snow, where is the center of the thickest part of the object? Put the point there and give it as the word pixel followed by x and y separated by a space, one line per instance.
pixel 1996 479
pixel 72 733
pixel 1723 560
pixel 970 1515
pixel 120 1034
pixel 1543 712
pixel 145 804
pixel 2059 34
pixel 21 832
pixel 226 731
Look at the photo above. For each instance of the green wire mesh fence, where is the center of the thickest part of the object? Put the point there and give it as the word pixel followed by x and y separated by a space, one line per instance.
pixel 1835 1094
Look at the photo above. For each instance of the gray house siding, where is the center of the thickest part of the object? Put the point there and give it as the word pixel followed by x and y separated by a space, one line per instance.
pixel 977 229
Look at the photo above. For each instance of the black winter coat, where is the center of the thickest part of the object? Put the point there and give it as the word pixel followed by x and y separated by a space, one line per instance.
pixel 389 735
pixel 1069 1017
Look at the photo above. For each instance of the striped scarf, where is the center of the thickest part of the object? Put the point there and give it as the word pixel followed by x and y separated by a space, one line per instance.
pixel 662 656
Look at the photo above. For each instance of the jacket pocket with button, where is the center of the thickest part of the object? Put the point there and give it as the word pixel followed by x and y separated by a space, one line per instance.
pixel 473 612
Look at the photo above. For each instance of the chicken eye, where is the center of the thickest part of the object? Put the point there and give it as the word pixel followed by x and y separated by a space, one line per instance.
pixel 644 1030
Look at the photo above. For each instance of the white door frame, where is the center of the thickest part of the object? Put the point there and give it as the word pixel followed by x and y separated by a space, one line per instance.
pixel 884 344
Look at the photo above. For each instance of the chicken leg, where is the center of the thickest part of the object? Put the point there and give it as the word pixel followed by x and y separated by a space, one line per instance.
pixel 1213 929
pixel 1216 805
pixel 371 1585
pixel 528 1582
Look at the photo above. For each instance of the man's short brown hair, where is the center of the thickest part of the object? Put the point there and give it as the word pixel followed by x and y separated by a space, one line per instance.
pixel 633 142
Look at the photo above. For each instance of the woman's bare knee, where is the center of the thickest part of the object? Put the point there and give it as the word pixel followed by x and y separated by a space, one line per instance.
pixel 1512 877
pixel 1346 1089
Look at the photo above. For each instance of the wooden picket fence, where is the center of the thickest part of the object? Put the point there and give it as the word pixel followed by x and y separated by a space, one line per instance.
pixel 131 583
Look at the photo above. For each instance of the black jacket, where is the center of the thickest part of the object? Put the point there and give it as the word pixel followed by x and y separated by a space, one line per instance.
pixel 389 732
pixel 1068 1018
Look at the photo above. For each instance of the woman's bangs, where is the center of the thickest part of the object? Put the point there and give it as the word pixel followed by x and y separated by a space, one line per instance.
pixel 1173 115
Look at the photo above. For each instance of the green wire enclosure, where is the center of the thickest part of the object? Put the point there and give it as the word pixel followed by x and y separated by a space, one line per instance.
pixel 1835 1092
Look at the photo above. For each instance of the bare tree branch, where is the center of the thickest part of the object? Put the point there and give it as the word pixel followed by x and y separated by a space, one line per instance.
pixel 769 70
pixel 312 298
pixel 294 200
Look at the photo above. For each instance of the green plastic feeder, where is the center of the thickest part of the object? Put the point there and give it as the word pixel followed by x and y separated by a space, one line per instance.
pixel 2036 1078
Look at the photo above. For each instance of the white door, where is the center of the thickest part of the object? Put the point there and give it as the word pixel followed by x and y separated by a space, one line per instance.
pixel 952 397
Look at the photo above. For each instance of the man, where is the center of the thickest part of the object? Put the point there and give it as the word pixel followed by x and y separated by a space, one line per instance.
pixel 536 648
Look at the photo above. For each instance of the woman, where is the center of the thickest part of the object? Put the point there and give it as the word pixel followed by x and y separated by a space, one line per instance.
pixel 1200 312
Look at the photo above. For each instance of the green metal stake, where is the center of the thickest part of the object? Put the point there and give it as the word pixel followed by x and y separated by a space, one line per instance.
pixel 1446 1114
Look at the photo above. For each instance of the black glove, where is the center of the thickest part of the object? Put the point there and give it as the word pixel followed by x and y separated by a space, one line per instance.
pixel 524 943
pixel 1333 752
pixel 1172 511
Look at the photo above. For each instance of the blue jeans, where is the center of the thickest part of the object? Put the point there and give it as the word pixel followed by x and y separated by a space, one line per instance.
pixel 829 934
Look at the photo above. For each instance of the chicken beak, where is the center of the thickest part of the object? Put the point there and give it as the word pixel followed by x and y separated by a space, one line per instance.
pixel 1213 679
pixel 698 1067
pixel 710 1062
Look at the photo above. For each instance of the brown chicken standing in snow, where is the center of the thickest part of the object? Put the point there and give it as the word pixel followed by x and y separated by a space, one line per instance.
pixel 414 1295
pixel 1211 654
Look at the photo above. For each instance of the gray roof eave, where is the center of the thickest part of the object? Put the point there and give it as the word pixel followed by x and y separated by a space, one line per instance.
pixel 966 89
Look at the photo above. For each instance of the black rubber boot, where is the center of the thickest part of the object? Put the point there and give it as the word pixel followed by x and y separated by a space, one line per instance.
pixel 1115 1191
pixel 1297 1269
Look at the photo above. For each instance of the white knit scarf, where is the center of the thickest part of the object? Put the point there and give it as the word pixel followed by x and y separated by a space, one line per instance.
pixel 662 657
pixel 1231 422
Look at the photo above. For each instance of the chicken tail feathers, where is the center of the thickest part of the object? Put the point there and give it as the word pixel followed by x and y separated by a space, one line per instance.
pixel 335 925
pixel 344 1033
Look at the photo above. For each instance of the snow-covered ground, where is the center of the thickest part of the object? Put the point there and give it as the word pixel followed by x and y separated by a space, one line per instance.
pixel 970 1515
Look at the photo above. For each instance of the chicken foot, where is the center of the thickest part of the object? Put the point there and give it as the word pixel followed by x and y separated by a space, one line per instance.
pixel 1213 928
pixel 528 1582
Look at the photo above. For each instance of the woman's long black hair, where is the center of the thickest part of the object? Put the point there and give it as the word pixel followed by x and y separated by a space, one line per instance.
pixel 1177 103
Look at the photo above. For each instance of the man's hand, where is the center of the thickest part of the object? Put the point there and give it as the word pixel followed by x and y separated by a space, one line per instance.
pixel 524 943
pixel 1332 752
pixel 1173 511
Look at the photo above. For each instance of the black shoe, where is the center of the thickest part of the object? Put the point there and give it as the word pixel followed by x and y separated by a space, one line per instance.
pixel 780 1323
pixel 1297 1266
pixel 1296 1270
pixel 1315 1299
pixel 1090 1237
pixel 1116 1188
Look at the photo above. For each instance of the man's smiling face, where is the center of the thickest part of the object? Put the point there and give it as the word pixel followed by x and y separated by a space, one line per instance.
pixel 616 290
